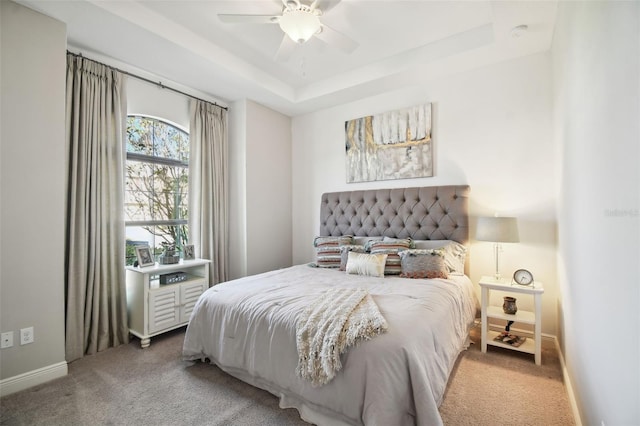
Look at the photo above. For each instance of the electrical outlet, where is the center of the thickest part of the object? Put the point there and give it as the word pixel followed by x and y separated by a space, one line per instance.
pixel 26 335
pixel 6 340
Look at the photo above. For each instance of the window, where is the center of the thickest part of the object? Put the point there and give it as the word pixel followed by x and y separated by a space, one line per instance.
pixel 156 185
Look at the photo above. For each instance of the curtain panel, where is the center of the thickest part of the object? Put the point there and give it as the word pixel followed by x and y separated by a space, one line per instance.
pixel 96 310
pixel 208 186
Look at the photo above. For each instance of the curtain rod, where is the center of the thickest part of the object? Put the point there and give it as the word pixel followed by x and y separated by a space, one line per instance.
pixel 157 83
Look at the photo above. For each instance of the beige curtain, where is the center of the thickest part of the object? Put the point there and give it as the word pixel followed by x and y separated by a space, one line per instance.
pixel 208 186
pixel 96 311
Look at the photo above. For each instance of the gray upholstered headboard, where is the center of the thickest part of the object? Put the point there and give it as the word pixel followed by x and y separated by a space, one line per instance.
pixel 424 213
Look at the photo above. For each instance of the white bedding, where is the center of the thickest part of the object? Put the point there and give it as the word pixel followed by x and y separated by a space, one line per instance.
pixel 248 328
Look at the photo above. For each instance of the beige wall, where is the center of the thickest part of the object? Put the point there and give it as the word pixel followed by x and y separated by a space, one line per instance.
pixel 238 189
pixel 550 138
pixel 32 193
pixel 147 99
pixel 491 130
pixel 596 81
pixel 260 219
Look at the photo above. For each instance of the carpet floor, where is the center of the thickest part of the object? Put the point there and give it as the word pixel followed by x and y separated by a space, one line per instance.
pixel 133 386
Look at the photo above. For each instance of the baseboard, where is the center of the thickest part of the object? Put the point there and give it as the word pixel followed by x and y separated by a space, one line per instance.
pixel 567 382
pixel 32 378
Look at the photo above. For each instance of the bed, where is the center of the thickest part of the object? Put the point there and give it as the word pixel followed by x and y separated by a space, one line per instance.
pixel 248 327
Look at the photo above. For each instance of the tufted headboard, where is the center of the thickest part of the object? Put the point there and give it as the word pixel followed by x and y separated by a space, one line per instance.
pixel 424 213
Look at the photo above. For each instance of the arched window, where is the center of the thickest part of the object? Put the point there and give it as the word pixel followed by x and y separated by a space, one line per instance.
pixel 156 185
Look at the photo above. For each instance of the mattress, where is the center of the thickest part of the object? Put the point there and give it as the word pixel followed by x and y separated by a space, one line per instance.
pixel 248 328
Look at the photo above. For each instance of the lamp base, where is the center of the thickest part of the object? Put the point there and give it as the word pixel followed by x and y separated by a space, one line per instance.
pixel 498 248
pixel 499 279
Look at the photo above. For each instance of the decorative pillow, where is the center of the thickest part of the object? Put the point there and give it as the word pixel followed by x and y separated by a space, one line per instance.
pixel 344 254
pixel 390 247
pixel 423 264
pixel 430 244
pixel 400 240
pixel 332 241
pixel 454 253
pixel 366 264
pixel 364 241
pixel 328 250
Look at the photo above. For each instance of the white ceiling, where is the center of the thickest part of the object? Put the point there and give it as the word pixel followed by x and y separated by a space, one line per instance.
pixel 401 43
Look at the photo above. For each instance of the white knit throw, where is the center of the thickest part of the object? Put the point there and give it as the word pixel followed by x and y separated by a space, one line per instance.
pixel 340 318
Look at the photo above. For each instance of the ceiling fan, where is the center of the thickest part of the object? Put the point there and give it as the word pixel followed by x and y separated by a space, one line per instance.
pixel 299 22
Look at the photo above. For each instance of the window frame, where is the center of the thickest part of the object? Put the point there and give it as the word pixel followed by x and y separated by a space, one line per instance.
pixel 155 160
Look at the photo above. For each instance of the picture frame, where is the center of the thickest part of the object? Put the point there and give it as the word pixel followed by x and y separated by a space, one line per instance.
pixel 144 255
pixel 188 252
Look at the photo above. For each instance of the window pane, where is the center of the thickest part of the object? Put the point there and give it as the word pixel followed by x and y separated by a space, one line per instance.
pixel 154 236
pixel 136 236
pixel 168 192
pixel 137 207
pixel 170 142
pixel 138 197
pixel 140 135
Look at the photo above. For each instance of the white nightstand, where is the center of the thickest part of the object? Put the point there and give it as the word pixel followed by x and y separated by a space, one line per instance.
pixel 532 346
pixel 154 308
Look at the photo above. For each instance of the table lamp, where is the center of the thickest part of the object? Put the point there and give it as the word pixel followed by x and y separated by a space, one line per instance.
pixel 497 230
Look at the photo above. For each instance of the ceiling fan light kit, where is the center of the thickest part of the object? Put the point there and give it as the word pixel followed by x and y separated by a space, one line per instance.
pixel 300 24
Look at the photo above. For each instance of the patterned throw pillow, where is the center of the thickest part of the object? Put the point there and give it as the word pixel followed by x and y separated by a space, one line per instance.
pixel 428 263
pixel 455 254
pixel 400 241
pixel 344 254
pixel 390 247
pixel 328 250
pixel 364 241
pixel 366 264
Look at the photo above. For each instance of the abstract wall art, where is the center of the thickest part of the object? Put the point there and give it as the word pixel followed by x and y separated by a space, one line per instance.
pixel 392 145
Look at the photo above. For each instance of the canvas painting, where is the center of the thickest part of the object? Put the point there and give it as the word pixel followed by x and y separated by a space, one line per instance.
pixel 392 145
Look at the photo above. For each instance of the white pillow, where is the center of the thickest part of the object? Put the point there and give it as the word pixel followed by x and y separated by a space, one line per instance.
pixel 366 264
pixel 344 254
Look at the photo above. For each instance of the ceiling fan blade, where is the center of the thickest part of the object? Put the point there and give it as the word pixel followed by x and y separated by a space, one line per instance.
pixel 336 39
pixel 326 5
pixel 285 50
pixel 249 19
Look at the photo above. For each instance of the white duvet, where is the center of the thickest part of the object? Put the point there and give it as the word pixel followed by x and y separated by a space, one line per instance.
pixel 248 328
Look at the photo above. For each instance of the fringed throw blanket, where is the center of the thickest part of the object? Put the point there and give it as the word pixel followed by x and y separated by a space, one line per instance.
pixel 340 318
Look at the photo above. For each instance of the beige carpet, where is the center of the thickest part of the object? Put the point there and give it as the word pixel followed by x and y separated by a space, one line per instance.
pixel 505 387
pixel 131 386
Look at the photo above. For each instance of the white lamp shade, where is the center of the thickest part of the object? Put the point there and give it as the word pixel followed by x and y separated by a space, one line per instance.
pixel 299 24
pixel 497 229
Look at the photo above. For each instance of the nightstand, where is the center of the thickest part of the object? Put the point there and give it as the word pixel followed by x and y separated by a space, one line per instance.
pixel 531 345
pixel 155 307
